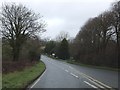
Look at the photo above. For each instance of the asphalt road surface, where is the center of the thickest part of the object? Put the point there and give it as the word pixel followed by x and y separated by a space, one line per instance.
pixel 59 74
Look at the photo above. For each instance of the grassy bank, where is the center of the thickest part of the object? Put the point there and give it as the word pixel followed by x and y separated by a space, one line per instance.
pixel 0 81
pixel 20 79
pixel 92 66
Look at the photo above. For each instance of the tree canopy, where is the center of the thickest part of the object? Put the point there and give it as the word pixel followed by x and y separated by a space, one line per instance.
pixel 63 50
pixel 19 23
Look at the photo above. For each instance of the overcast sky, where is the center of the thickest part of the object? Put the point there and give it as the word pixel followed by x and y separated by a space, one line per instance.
pixel 65 15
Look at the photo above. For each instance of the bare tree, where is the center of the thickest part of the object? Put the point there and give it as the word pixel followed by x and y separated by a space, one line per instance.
pixel 62 35
pixel 116 24
pixel 18 23
pixel 93 40
pixel 106 29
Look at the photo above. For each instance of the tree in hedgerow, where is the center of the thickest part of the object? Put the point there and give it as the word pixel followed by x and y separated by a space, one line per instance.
pixel 49 47
pixel 19 23
pixel 63 51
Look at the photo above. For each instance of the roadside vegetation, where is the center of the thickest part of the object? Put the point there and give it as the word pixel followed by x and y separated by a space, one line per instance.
pixel 21 46
pixel 59 50
pixel 93 66
pixel 0 63
pixel 21 79
pixel 0 80
pixel 97 43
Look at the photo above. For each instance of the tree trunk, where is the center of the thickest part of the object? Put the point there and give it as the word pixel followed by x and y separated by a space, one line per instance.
pixel 16 52
pixel 118 48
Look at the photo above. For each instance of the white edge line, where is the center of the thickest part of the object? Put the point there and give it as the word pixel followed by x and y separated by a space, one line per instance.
pixel 70 67
pixel 95 80
pixel 90 84
pixel 96 84
pixel 103 84
pixel 99 82
pixel 38 79
pixel 66 70
pixel 74 75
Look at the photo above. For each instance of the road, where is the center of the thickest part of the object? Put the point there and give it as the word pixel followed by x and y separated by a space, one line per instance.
pixel 59 74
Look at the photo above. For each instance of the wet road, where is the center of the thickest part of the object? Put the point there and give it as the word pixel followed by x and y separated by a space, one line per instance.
pixel 60 74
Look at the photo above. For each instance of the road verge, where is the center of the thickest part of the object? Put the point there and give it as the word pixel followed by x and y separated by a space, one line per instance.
pixel 92 66
pixel 21 79
pixel 86 65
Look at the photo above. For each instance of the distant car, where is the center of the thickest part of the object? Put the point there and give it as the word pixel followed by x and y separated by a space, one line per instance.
pixel 53 54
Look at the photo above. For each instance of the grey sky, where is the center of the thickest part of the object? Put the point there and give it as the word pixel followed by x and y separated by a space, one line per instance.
pixel 65 15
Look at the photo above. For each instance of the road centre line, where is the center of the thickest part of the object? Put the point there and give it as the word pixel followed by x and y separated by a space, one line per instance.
pixel 66 70
pixel 102 84
pixel 88 77
pixel 74 75
pixel 70 67
pixel 92 79
pixel 90 84
pixel 38 79
pixel 96 84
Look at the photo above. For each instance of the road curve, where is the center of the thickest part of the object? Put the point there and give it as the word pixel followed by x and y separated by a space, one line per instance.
pixel 59 74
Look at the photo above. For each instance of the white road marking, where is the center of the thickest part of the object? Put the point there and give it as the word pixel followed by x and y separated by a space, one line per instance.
pixel 102 85
pixel 66 70
pixel 70 67
pixel 96 84
pixel 106 86
pixel 88 77
pixel 38 79
pixel 74 75
pixel 90 84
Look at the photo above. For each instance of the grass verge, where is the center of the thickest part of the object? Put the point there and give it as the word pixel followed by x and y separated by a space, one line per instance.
pixel 21 79
pixel 92 66
pixel 0 81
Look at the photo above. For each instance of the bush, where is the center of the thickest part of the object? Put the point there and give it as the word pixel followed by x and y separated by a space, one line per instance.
pixel 29 54
pixel 31 50
pixel 6 52
pixel 34 55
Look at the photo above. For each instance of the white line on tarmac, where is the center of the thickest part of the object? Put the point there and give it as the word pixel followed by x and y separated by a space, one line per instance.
pixel 74 75
pixel 96 84
pixel 90 84
pixel 102 84
pixel 38 80
pixel 66 70
pixel 70 67
pixel 89 77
